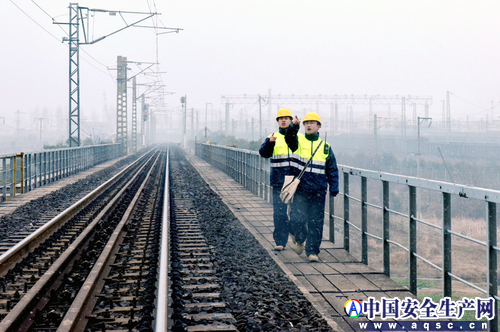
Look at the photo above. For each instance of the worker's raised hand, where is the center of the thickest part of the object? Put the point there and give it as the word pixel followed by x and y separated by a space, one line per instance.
pixel 296 121
pixel 272 138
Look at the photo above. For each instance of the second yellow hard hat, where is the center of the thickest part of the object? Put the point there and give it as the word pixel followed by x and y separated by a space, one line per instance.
pixel 312 117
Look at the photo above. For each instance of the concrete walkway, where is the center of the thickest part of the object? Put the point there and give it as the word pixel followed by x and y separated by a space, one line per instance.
pixel 327 284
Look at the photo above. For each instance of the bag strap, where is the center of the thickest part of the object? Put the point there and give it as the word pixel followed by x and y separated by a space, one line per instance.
pixel 309 161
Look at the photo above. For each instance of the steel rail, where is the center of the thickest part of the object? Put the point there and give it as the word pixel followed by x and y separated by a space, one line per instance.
pixel 75 314
pixel 28 244
pixel 23 308
pixel 161 298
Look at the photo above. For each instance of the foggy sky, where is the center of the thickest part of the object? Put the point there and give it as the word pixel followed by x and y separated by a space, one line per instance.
pixel 246 47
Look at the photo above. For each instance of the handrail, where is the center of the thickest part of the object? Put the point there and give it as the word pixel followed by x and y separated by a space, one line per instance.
pixel 31 170
pixel 249 169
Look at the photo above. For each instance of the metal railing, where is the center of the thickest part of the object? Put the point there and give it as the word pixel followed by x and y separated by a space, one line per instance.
pixel 252 171
pixel 23 172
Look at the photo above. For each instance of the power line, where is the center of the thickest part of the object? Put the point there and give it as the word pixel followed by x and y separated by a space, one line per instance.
pixel 468 102
pixel 486 109
pixel 42 10
pixel 58 40
pixel 34 20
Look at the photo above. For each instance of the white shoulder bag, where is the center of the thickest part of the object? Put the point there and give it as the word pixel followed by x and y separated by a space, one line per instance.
pixel 291 183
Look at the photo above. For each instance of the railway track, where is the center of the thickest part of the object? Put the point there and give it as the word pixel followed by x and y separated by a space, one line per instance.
pixel 143 253
pixel 194 282
pixel 93 266
pixel 96 266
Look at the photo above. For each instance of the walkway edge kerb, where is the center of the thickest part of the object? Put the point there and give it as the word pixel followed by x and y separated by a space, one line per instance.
pixel 321 309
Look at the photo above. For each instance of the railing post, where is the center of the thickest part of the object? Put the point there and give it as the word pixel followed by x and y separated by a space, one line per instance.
pixel 446 240
pixel 37 170
pixel 261 177
pixel 40 172
pixel 4 178
pixel 250 173
pixel 491 255
pixel 23 175
pixel 238 155
pixel 28 171
pixel 44 167
pixel 256 175
pixel 385 226
pixel 49 165
pixel 13 176
pixel 364 222
pixel 268 181
pixel 64 164
pixel 59 164
pixel 412 239
pixel 331 219
pixel 265 178
pixel 346 211
pixel 245 176
pixel 210 160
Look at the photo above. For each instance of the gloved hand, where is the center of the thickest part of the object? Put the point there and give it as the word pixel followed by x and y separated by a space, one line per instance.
pixel 333 193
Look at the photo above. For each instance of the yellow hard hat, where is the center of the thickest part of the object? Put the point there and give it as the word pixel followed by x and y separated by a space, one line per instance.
pixel 312 117
pixel 284 112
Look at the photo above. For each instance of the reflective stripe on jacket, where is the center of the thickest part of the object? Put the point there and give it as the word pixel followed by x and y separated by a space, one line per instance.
pixel 314 177
pixel 323 167
pixel 281 159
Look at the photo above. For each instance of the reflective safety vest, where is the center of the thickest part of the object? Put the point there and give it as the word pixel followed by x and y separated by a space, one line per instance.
pixel 314 177
pixel 281 161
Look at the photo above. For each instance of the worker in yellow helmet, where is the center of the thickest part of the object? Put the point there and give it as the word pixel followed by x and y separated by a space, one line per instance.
pixel 275 147
pixel 307 213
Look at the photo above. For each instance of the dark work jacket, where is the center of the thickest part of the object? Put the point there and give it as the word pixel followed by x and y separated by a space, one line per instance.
pixel 280 158
pixel 312 181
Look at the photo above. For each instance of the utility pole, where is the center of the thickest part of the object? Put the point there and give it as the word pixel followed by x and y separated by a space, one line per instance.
pixel 184 102
pixel 79 14
pixel 403 117
pixel 414 118
pixel 74 75
pixel 492 113
pixel 18 120
pixel 41 121
pixel 144 121
pixel 260 117
pixel 134 115
pixel 336 127
pixel 351 120
pixel 370 112
pixel 121 103
pixel 206 118
pixel 388 113
pixel 192 122
pixel 375 131
pixel 419 121
pixel 227 118
pixel 448 114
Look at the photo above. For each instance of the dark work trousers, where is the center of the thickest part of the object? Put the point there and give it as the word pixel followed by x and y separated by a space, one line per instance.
pixel 307 217
pixel 281 224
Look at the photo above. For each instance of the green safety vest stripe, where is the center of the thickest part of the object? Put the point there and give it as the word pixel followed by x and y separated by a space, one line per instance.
pixel 281 149
pixel 305 150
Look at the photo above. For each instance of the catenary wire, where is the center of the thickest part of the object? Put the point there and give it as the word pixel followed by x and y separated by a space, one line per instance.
pixel 58 40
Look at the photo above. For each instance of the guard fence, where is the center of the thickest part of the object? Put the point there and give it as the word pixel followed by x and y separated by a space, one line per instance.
pixel 252 171
pixel 23 172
